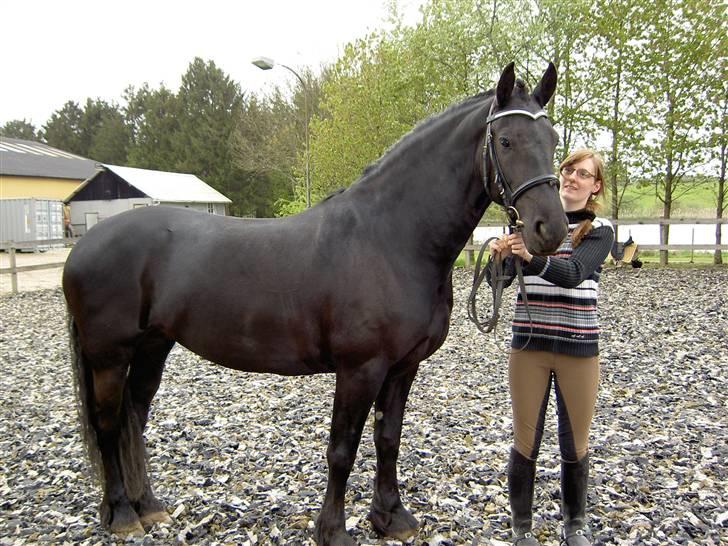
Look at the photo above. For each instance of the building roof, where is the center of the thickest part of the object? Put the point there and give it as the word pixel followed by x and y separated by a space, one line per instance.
pixel 29 158
pixel 163 186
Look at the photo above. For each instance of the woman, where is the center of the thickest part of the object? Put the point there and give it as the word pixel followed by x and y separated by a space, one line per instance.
pixel 558 344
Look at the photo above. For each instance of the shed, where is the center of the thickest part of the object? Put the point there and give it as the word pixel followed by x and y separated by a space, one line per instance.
pixel 113 189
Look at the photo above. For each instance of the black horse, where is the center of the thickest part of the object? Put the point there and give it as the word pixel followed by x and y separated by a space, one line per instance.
pixel 359 285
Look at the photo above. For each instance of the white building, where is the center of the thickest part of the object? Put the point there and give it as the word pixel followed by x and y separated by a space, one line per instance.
pixel 114 189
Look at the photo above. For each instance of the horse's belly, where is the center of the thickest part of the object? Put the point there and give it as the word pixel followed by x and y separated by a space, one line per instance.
pixel 251 343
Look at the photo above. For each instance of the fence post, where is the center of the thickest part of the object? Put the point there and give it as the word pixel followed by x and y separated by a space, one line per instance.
pixel 13 270
pixel 469 253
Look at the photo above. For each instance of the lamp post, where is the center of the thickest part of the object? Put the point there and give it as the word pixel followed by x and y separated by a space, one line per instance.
pixel 264 63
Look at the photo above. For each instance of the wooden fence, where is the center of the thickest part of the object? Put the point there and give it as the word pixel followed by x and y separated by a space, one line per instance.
pixel 471 248
pixel 12 247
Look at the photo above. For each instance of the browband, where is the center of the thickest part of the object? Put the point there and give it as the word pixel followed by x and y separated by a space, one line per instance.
pixel 503 113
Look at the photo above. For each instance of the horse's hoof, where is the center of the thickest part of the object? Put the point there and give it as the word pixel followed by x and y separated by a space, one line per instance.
pixel 121 520
pixel 338 539
pixel 128 530
pixel 333 538
pixel 398 524
pixel 148 520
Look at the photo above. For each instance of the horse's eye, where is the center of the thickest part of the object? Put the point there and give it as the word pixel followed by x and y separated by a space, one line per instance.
pixel 504 142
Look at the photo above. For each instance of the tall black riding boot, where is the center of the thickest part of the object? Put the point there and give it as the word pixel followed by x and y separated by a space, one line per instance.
pixel 521 478
pixel 574 478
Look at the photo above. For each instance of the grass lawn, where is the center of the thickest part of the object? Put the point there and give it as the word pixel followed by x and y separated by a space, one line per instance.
pixel 697 200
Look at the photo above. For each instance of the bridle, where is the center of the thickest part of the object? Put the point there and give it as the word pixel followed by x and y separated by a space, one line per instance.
pixel 508 199
pixel 507 195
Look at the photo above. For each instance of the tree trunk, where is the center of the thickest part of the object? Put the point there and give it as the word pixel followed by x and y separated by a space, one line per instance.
pixel 669 178
pixel 666 210
pixel 614 182
pixel 718 256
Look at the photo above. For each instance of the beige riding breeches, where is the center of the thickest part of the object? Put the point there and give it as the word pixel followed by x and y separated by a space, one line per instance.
pixel 575 379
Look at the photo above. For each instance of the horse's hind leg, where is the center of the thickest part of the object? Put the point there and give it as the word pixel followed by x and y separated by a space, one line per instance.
pixel 116 510
pixel 144 379
pixel 388 516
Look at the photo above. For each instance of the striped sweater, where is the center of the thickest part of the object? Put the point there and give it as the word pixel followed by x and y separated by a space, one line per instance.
pixel 562 294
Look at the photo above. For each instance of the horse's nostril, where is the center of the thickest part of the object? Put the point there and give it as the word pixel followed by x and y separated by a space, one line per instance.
pixel 541 228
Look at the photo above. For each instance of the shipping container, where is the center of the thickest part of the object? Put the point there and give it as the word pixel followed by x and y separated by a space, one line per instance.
pixel 24 220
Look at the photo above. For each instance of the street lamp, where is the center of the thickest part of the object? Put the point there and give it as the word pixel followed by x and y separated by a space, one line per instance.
pixel 264 63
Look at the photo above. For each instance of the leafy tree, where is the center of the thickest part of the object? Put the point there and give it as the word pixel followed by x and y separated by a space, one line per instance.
pixel 264 148
pixel 562 32
pixel 104 134
pixel 717 142
pixel 366 112
pixel 96 131
pixel 152 118
pixel 209 103
pixel 63 129
pixel 19 128
pixel 616 109
pixel 680 46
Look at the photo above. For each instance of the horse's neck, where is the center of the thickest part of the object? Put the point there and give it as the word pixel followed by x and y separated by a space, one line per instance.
pixel 433 190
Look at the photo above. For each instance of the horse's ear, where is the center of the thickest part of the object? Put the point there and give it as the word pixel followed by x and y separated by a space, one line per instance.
pixel 546 87
pixel 505 85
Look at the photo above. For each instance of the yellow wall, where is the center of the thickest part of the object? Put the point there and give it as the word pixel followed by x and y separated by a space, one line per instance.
pixel 42 188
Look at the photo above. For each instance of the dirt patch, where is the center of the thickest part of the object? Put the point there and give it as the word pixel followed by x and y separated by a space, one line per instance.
pixel 34 280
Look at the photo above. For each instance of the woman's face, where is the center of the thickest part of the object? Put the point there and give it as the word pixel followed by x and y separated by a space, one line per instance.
pixel 578 183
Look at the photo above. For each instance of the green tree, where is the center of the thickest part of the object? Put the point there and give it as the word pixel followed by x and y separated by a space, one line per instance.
pixel 152 118
pixel 209 103
pixel 616 109
pixel 19 128
pixel 97 131
pixel 681 44
pixel 562 32
pixel 63 129
pixel 103 132
pixel 264 148
pixel 717 142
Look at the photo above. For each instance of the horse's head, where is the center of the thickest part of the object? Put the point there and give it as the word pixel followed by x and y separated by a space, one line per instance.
pixel 520 146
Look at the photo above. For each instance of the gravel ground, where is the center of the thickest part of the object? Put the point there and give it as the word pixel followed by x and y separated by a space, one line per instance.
pixel 240 458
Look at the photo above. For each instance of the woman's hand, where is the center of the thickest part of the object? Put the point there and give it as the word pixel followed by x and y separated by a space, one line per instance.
pixel 518 247
pixel 500 246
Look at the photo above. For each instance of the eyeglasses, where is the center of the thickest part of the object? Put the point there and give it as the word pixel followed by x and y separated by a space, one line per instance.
pixel 583 174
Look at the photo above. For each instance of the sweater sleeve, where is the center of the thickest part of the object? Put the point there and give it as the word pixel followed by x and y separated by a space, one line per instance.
pixel 583 262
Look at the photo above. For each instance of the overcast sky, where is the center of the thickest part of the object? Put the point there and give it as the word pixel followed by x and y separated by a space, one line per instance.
pixel 54 51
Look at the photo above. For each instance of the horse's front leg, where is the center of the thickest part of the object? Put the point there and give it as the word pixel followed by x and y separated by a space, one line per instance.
pixel 356 389
pixel 388 516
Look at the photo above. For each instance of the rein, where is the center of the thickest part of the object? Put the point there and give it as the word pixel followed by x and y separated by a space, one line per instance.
pixel 508 202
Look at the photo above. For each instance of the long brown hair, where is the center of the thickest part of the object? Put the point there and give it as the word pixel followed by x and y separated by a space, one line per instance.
pixel 593 204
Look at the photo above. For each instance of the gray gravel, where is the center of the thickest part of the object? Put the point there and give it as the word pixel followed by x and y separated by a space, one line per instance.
pixel 240 458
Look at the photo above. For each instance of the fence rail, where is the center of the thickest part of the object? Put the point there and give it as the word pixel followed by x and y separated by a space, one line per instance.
pixel 471 248
pixel 12 247
pixel 640 221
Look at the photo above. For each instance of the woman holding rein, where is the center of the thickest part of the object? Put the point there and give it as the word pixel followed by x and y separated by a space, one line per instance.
pixel 557 344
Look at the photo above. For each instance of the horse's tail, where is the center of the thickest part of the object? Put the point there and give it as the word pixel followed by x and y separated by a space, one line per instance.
pixel 130 445
pixel 83 384
pixel 132 453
